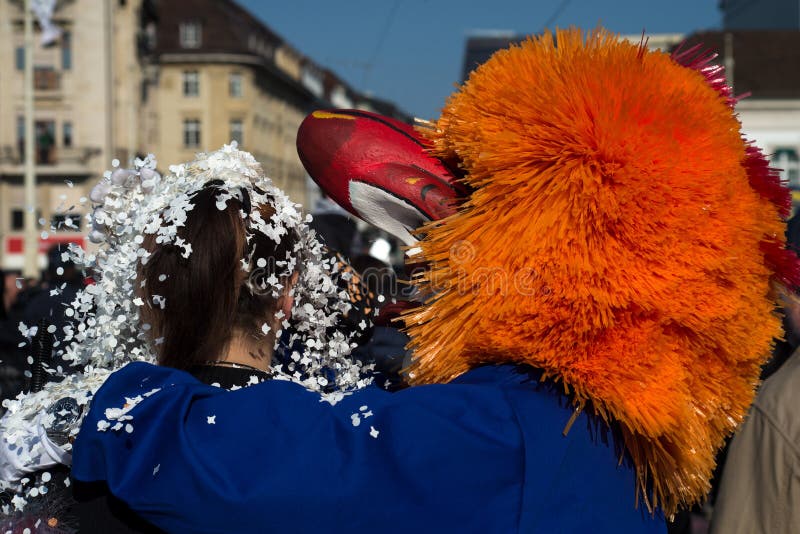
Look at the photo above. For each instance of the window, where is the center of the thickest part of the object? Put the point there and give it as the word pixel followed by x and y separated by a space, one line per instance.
pixel 19 55
pixel 191 83
pixel 17 220
pixel 191 133
pixel 66 130
pixel 67 222
pixel 45 78
pixel 237 131
pixel 66 51
pixel 235 84
pixel 190 34
pixel 788 161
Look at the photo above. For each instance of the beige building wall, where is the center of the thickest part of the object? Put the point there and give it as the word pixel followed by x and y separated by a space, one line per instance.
pixel 97 95
pixel 269 122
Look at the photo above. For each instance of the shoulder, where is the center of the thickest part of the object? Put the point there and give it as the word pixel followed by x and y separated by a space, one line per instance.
pixel 778 401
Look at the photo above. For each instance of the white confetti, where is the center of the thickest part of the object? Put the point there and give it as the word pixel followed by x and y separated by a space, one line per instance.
pixel 46 476
pixel 156 469
pixel 372 432
pixel 129 428
pixel 355 419
pixel 211 419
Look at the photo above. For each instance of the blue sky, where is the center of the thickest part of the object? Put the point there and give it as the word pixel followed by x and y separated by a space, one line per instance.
pixel 411 51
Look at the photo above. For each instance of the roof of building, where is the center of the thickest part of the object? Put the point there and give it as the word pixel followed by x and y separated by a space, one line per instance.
pixel 228 28
pixel 765 62
pixel 480 48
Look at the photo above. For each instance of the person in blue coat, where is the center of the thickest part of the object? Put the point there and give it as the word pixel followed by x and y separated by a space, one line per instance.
pixel 489 452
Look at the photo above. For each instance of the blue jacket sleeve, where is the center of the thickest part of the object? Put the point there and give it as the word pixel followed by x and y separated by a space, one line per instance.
pixel 484 453
pixel 274 457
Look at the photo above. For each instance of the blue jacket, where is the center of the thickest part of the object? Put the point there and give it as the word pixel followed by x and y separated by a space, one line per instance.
pixel 484 453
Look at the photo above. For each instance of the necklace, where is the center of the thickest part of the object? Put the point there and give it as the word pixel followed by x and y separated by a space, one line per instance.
pixel 236 365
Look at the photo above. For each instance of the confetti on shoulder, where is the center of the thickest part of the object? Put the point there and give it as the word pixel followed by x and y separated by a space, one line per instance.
pixel 372 432
pixel 156 469
pixel 211 419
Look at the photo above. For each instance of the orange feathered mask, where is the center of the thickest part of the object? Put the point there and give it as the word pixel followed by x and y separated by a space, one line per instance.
pixel 621 235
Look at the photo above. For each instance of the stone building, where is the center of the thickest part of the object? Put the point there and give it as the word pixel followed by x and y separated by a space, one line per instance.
pixel 131 77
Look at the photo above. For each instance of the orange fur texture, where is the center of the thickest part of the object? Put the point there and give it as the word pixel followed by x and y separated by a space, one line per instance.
pixel 612 240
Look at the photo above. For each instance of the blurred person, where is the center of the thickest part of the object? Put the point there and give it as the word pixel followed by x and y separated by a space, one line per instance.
pixel 758 488
pixel 12 357
pixel 60 282
pixel 556 404
pixel 334 226
pixel 386 348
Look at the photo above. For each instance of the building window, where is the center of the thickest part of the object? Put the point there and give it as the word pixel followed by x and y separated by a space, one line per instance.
pixel 191 133
pixel 191 83
pixel 788 161
pixel 45 79
pixel 237 131
pixel 17 220
pixel 235 84
pixel 19 55
pixel 66 51
pixel 66 130
pixel 190 34
pixel 67 222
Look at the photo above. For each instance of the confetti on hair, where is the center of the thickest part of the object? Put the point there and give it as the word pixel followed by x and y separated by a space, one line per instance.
pixel 107 332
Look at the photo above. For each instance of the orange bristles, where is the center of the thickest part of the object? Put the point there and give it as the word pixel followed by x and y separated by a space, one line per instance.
pixel 613 240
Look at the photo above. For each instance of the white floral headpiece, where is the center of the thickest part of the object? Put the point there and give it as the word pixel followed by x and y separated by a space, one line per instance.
pixel 107 333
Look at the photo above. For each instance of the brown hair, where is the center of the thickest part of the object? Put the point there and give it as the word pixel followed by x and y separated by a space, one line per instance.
pixel 206 296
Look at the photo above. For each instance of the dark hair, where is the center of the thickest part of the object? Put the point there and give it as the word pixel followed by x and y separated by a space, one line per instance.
pixel 206 296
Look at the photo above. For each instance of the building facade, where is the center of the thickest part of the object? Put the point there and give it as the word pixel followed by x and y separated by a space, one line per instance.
pixel 132 77
pixel 85 88
pixel 760 14
pixel 761 65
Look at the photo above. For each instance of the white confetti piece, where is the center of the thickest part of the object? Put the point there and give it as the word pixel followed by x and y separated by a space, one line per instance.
pixel 156 469
pixel 46 476
pixel 129 428
pixel 372 432
pixel 355 419
pixel 211 419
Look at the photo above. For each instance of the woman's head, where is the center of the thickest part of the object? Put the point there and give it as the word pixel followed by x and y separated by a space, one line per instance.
pixel 233 283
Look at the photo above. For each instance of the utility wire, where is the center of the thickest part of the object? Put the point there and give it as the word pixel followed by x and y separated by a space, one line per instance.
pixel 381 39
pixel 561 7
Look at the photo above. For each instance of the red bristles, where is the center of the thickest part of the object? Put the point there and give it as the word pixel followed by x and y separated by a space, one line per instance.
pixel 783 261
pixel 766 180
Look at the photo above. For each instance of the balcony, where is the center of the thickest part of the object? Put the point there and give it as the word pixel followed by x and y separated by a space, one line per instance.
pixel 50 161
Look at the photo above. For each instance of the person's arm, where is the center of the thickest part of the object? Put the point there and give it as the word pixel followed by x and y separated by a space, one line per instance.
pixel 275 457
